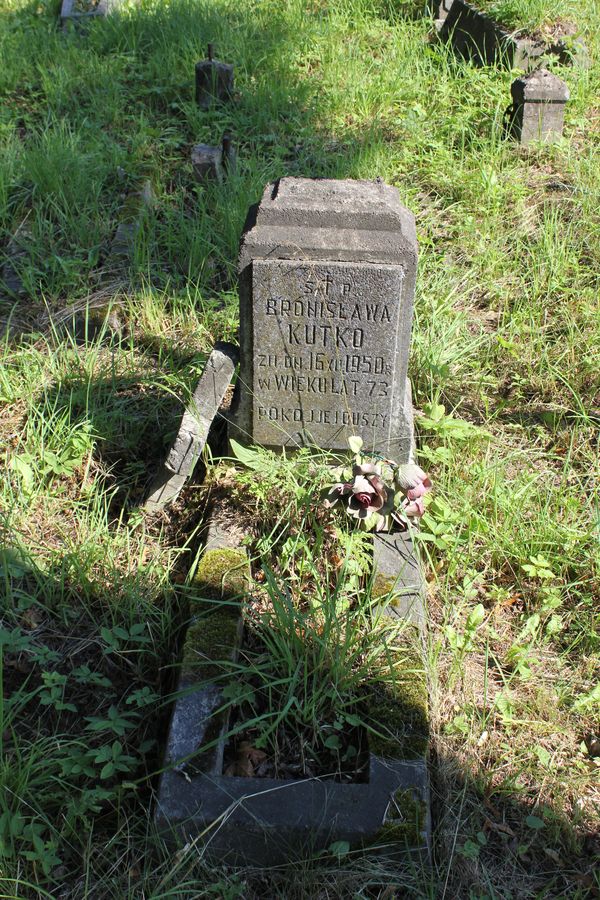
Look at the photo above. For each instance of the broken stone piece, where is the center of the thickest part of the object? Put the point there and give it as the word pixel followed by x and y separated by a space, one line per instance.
pixel 194 428
pixel 538 108
pixel 77 12
pixel 213 163
pixel 131 218
pixel 16 253
pixel 214 81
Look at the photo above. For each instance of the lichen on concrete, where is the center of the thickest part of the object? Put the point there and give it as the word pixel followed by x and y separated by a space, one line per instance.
pixel 209 640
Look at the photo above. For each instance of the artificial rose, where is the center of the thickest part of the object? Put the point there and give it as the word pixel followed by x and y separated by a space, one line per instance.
pixel 378 494
pixel 414 483
pixel 366 494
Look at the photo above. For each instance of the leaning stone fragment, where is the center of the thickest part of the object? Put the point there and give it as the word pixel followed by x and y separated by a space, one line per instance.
pixel 194 428
pixel 16 254
pixel 131 218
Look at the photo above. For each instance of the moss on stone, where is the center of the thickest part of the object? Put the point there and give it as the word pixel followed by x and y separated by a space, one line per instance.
pixel 222 574
pixel 383 586
pixel 397 712
pixel 405 820
pixel 212 638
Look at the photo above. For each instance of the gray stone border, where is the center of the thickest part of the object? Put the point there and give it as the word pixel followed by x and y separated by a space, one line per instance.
pixel 266 821
pixel 476 35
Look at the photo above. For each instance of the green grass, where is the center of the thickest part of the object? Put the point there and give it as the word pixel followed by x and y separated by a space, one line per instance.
pixel 530 15
pixel 505 339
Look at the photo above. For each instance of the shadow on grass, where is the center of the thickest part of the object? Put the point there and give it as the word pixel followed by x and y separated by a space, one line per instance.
pixel 283 127
pixel 85 665
pixel 85 662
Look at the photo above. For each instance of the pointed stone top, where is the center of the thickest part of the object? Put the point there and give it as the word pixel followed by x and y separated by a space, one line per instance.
pixel 319 218
pixel 539 85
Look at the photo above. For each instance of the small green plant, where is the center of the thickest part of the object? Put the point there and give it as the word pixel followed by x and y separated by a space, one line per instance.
pixel 113 721
pixel 53 692
pixel 119 637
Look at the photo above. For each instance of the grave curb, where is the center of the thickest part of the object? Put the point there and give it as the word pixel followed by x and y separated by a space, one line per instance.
pixel 475 34
pixel 249 820
pixel 193 431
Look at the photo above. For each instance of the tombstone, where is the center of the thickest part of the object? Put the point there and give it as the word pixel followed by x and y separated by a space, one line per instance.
pixel 327 282
pixel 214 80
pixel 538 108
pixel 213 163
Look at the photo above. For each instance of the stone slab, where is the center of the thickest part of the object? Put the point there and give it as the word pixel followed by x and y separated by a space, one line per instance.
pixel 265 822
pixel 327 279
pixel 195 426
pixel 326 352
pixel 538 109
pixel 478 36
pixel 207 163
pixel 395 561
pixel 475 35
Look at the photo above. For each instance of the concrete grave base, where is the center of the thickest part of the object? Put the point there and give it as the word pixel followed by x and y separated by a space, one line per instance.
pixel 267 821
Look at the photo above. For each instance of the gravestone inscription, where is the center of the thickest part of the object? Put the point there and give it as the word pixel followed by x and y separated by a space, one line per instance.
pixel 327 274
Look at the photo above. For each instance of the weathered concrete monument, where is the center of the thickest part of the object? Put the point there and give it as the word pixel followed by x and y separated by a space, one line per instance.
pixel 327 281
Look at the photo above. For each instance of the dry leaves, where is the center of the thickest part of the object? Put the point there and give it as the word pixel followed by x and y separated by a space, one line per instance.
pixel 247 760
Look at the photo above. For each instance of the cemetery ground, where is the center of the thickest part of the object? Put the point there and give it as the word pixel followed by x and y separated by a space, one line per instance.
pixel 96 594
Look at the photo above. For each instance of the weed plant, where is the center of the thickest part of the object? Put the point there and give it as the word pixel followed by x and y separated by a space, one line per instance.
pixel 311 649
pixel 505 379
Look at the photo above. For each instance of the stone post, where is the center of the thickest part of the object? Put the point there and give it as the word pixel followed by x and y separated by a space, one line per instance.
pixel 214 163
pixel 538 109
pixel 214 81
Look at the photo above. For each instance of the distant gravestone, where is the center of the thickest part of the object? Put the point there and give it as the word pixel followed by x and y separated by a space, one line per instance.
pixel 213 163
pixel 214 81
pixel 538 109
pixel 327 281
